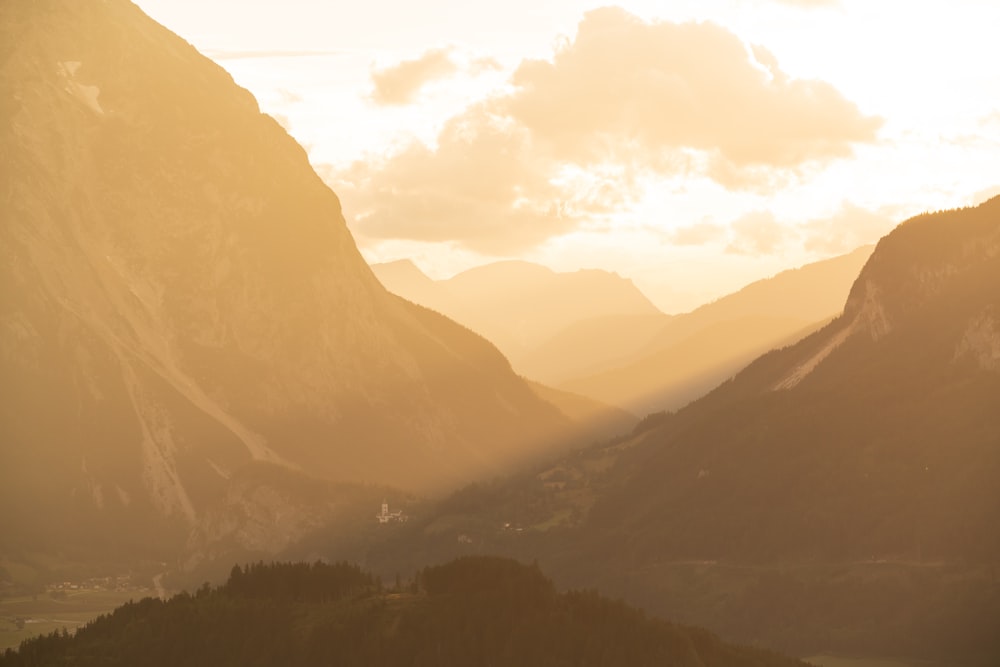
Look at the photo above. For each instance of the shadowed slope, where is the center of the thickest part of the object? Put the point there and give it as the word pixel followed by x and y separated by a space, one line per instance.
pixel 878 434
pixel 181 297
pixel 473 611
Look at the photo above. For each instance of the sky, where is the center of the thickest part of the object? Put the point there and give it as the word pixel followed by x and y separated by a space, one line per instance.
pixel 693 146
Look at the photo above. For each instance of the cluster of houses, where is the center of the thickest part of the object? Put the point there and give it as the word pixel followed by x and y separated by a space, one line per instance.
pixel 122 582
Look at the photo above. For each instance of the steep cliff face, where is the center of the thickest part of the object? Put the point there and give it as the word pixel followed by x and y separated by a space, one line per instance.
pixel 181 296
pixel 935 281
pixel 922 260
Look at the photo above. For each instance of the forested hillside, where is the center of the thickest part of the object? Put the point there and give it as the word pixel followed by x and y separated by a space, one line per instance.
pixel 473 611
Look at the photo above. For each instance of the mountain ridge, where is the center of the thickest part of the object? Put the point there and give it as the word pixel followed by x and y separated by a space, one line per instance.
pixel 765 314
pixel 180 298
pixel 516 303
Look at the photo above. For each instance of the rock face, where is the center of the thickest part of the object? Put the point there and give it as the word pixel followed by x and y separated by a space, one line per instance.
pixel 180 297
pixel 934 274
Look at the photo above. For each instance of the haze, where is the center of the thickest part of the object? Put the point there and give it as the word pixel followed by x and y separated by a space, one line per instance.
pixel 438 127
pixel 539 333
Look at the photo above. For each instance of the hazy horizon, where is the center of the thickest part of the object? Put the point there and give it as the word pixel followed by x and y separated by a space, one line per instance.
pixel 696 212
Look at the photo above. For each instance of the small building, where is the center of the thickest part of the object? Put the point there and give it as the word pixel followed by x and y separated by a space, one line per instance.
pixel 386 516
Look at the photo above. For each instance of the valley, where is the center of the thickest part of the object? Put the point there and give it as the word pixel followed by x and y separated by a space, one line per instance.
pixel 239 424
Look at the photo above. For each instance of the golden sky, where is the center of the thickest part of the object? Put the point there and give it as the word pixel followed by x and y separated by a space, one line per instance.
pixel 691 145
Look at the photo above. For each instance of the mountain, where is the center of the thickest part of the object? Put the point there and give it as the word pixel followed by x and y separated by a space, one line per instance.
pixel 517 305
pixel 594 334
pixel 590 346
pixel 692 353
pixel 183 312
pixel 473 611
pixel 680 372
pixel 405 278
pixel 837 495
pixel 878 434
pixel 599 420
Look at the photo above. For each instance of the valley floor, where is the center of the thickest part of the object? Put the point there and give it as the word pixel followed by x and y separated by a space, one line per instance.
pixel 29 616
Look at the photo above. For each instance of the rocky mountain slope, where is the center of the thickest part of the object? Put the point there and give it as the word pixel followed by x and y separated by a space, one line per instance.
pixel 180 299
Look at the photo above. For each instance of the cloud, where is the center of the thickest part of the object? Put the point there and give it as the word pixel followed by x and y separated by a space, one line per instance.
pixel 288 96
pixel 399 84
pixel 758 233
pixel 700 233
pixel 628 89
pixel 625 98
pixel 809 4
pixel 845 230
pixel 851 226
pixel 485 64
pixel 990 119
pixel 482 186
pixel 223 54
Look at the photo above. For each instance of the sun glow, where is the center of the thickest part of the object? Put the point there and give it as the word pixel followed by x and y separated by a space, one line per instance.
pixel 588 176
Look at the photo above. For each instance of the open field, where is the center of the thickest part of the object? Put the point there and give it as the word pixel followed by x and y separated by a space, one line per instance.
pixel 29 616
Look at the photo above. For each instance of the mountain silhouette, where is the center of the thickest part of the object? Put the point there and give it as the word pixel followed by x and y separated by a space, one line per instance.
pixel 663 365
pixel 518 305
pixel 594 334
pixel 180 299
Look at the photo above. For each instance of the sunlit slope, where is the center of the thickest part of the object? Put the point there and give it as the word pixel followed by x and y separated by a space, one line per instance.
pixel 692 353
pixel 181 296
pixel 673 376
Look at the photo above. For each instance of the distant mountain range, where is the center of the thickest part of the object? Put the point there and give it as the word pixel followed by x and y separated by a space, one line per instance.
pixel 691 354
pixel 594 334
pixel 187 330
pixel 837 494
pixel 515 304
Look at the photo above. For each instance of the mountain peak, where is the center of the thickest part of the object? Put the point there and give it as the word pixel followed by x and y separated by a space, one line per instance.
pixel 919 260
